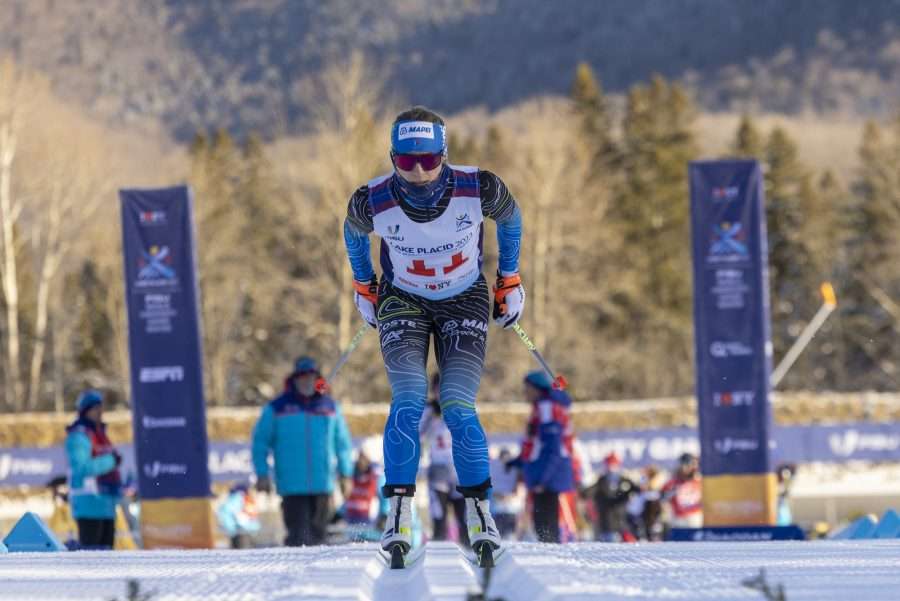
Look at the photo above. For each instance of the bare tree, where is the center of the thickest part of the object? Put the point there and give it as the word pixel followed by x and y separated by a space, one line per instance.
pixel 342 154
pixel 19 93
pixel 346 113
pixel 65 197
pixel 10 209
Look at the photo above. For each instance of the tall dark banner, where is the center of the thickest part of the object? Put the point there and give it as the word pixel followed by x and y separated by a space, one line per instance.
pixel 164 343
pixel 732 341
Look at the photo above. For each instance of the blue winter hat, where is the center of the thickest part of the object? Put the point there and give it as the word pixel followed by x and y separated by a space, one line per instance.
pixel 539 379
pixel 87 399
pixel 418 136
pixel 242 487
pixel 305 365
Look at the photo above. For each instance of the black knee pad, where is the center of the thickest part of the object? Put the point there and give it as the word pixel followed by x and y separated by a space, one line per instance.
pixel 479 491
pixel 398 490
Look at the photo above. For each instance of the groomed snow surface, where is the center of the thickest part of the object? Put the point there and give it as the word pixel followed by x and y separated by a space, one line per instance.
pixel 817 570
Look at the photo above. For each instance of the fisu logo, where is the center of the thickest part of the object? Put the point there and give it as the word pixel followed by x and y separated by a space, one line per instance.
pixel 393 232
pixel 463 222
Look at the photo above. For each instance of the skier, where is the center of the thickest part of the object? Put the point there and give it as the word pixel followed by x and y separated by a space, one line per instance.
pixel 429 215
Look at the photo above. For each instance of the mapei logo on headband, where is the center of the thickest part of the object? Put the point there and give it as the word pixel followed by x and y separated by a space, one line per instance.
pixel 416 129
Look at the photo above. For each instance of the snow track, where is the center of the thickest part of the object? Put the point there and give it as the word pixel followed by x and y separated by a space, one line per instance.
pixel 821 571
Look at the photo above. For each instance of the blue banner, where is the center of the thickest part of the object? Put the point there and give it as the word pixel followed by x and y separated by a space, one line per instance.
pixel 231 461
pixel 26 466
pixel 731 316
pixel 742 534
pixel 164 343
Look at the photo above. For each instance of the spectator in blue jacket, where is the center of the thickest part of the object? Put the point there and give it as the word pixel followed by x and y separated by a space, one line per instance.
pixel 238 516
pixel 546 458
pixel 306 434
pixel 95 484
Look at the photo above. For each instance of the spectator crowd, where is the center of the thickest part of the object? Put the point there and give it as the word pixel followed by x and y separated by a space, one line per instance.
pixel 328 492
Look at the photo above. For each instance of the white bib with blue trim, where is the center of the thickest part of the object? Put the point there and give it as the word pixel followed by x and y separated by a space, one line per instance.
pixel 434 258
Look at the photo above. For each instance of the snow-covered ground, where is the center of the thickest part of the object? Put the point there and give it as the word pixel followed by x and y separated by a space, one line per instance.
pixel 820 571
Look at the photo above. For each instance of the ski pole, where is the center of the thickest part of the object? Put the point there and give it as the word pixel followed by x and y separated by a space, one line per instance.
pixel 559 382
pixel 323 384
pixel 829 303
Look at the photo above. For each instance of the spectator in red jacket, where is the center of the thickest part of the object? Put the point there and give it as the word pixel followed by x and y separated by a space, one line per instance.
pixel 684 493
pixel 546 458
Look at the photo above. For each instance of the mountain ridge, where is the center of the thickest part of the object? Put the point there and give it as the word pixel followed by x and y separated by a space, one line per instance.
pixel 239 65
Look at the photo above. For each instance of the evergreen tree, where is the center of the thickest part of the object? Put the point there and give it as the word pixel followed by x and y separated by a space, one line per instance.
pixel 462 149
pixel 228 235
pixel 871 282
pixel 496 153
pixel 828 228
pixel 650 209
pixel 592 112
pixel 658 144
pixel 748 141
pixel 94 330
pixel 257 189
pixel 793 279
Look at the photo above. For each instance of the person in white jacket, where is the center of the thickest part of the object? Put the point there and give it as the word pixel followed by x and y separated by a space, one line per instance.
pixel 442 480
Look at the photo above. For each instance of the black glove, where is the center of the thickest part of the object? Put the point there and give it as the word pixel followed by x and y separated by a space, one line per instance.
pixel 263 484
pixel 118 457
pixel 513 464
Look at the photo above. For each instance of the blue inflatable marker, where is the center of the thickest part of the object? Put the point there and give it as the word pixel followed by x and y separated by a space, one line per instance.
pixel 31 534
pixel 865 529
pixel 860 528
pixel 846 532
pixel 888 525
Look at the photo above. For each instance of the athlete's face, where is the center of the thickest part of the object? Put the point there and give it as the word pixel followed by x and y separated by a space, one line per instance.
pixel 418 174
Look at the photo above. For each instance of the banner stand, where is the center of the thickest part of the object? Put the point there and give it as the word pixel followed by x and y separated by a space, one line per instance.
pixel 166 360
pixel 733 349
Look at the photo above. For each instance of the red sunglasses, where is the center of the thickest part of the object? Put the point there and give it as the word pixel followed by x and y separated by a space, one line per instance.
pixel 407 162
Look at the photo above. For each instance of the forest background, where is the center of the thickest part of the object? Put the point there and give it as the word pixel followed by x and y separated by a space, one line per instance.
pixel 275 111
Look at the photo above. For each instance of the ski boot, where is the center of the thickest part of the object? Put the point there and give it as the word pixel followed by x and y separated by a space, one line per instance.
pixel 483 534
pixel 397 537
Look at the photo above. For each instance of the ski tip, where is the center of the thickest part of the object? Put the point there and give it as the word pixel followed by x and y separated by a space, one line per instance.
pixel 485 555
pixel 397 559
pixel 398 555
